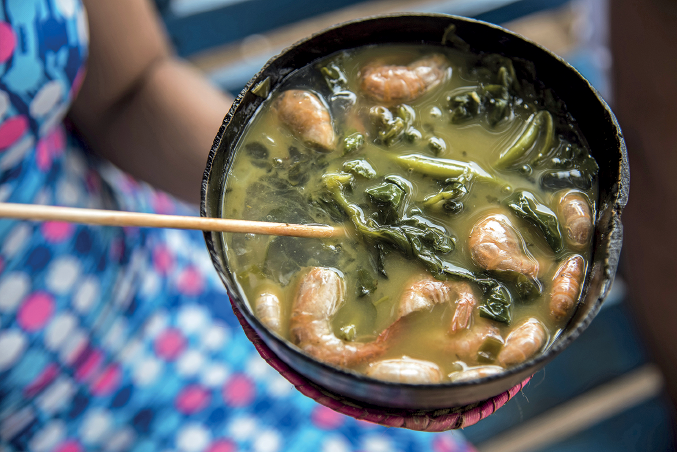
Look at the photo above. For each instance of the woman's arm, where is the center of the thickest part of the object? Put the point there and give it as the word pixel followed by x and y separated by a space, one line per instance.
pixel 144 110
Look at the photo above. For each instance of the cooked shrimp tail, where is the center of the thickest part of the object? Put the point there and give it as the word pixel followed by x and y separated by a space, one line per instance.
pixel 268 309
pixel 424 294
pixel 465 305
pixel 523 343
pixel 318 298
pixel 405 370
pixel 307 117
pixel 465 345
pixel 566 286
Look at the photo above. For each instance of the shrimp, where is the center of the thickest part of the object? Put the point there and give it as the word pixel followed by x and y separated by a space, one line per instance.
pixel 319 297
pixel 494 245
pixel 396 84
pixel 466 344
pixel 307 117
pixel 465 304
pixel 577 219
pixel 405 370
pixel 566 286
pixel 475 372
pixel 268 310
pixel 522 343
pixel 428 292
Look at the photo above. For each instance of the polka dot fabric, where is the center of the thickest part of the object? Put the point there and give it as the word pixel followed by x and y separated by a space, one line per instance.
pixel 123 339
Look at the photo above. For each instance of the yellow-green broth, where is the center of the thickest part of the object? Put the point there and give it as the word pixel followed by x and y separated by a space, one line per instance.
pixel 472 141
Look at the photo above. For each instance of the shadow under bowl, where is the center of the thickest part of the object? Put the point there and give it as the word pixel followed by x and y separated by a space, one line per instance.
pixel 596 121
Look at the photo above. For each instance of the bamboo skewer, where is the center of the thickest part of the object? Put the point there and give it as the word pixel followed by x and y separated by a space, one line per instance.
pixel 152 220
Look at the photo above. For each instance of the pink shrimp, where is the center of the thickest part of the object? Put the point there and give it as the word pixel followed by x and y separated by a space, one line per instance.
pixel 475 372
pixel 268 310
pixel 466 345
pixel 405 370
pixel 576 218
pixel 494 245
pixel 307 117
pixel 319 296
pixel 428 292
pixel 390 84
pixel 566 286
pixel 522 343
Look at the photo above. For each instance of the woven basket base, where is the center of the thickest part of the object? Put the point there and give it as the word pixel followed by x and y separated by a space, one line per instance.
pixel 422 420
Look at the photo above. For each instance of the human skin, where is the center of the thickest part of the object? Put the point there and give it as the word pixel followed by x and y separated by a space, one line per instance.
pixel 142 108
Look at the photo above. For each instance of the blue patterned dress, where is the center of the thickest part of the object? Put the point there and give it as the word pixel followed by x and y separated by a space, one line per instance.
pixel 122 339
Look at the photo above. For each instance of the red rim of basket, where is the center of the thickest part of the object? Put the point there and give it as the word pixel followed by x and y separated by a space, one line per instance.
pixel 438 420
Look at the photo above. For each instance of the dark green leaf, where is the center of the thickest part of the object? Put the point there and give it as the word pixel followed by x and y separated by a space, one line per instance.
pixel 437 145
pixel 387 198
pixel 527 289
pixel 465 106
pixel 525 206
pixel 359 167
pixel 497 302
pixel 334 75
pixel 287 255
pixel 489 350
pixel 366 283
pixel 353 142
pixel 391 125
pixel 557 180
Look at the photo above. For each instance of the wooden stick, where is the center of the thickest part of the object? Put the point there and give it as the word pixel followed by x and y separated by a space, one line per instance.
pixel 152 220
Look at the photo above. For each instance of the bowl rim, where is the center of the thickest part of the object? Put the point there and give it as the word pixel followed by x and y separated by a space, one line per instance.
pixel 558 344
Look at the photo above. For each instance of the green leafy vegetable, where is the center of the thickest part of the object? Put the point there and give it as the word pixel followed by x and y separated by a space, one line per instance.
pixel 414 237
pixel 285 256
pixel 437 145
pixel 412 135
pixel 538 124
pixel 494 97
pixel 333 74
pixel 348 332
pixel 301 164
pixel 527 289
pixel 366 283
pixel 258 154
pixel 388 198
pixel 465 106
pixel 391 125
pixel 497 303
pixel 444 168
pixel 574 168
pixel 455 189
pixel 353 142
pixel 489 350
pixel 359 167
pixel 524 205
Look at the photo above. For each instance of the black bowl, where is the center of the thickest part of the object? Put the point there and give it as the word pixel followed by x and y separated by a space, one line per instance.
pixel 595 119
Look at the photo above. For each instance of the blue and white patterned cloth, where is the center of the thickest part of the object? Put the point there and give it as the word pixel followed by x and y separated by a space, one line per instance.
pixel 122 339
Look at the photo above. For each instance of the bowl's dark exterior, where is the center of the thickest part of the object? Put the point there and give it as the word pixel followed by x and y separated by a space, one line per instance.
pixel 594 117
